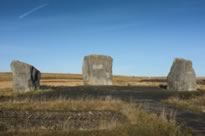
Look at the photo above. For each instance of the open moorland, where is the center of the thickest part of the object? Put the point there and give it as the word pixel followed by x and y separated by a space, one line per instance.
pixel 53 79
pixel 132 106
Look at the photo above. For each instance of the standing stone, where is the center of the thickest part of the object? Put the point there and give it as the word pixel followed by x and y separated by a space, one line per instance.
pixel 182 76
pixel 25 77
pixel 97 70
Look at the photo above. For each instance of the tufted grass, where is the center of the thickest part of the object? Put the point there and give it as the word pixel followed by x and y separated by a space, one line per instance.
pixel 196 104
pixel 139 122
pixel 194 101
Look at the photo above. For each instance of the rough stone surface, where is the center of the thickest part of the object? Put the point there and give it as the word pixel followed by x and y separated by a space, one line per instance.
pixel 97 70
pixel 25 77
pixel 182 76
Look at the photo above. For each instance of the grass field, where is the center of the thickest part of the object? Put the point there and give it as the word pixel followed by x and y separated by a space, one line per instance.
pixel 50 79
pixel 139 122
pixel 54 79
pixel 194 101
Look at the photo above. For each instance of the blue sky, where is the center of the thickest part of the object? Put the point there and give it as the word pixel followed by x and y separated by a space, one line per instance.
pixel 142 36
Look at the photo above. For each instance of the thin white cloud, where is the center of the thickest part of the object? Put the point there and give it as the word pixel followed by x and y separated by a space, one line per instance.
pixel 32 11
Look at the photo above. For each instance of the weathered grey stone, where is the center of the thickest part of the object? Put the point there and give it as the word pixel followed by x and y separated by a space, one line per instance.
pixel 97 70
pixel 25 77
pixel 182 76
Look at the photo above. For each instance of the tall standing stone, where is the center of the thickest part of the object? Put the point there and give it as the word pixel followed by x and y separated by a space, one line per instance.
pixel 182 76
pixel 97 70
pixel 25 77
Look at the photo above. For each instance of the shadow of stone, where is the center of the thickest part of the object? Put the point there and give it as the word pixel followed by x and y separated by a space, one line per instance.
pixel 126 93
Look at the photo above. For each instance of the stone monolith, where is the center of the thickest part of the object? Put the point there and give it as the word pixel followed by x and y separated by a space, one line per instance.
pixel 182 76
pixel 25 77
pixel 97 70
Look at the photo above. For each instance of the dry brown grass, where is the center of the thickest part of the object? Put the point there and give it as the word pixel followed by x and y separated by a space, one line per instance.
pixel 5 76
pixel 57 79
pixel 61 82
pixel 140 122
pixel 201 86
pixel 52 79
pixel 6 92
pixel 62 104
pixel 196 103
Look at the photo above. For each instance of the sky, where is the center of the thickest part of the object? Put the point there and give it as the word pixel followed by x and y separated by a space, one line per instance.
pixel 142 36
